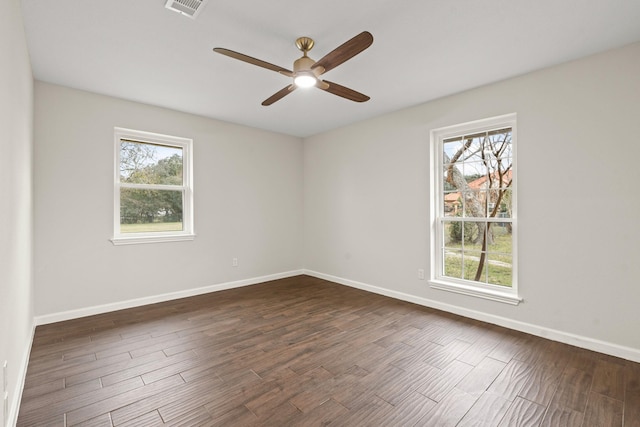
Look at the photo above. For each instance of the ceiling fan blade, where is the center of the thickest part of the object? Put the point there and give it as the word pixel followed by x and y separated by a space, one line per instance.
pixel 251 60
pixel 344 92
pixel 345 51
pixel 279 95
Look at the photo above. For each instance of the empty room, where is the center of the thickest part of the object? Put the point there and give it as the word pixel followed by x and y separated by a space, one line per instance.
pixel 363 213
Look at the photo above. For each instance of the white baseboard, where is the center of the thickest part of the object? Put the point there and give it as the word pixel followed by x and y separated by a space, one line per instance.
pixel 628 353
pixel 99 309
pixel 14 410
pixel 623 352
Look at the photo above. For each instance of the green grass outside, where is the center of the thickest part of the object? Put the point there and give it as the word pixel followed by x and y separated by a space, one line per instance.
pixel 499 252
pixel 151 227
pixel 498 275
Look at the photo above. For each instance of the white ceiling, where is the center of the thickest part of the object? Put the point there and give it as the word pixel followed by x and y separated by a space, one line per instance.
pixel 422 50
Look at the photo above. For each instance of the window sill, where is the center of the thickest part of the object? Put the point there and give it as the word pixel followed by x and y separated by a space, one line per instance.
pixel 493 295
pixel 137 240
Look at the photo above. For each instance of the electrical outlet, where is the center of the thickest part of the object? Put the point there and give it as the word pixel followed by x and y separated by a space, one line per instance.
pixel 234 262
pixel 421 273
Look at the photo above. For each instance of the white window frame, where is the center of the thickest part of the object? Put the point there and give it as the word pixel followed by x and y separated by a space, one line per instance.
pixel 186 144
pixel 437 280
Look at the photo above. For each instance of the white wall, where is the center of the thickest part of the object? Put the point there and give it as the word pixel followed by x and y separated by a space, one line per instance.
pixel 247 193
pixel 16 145
pixel 352 204
pixel 366 208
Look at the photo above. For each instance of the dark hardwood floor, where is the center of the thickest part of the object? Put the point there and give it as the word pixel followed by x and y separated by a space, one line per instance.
pixel 303 351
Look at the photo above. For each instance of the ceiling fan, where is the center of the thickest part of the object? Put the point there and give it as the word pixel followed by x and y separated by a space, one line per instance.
pixel 306 71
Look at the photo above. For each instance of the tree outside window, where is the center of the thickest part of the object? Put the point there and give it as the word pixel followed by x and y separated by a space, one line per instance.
pixel 157 207
pixel 474 213
pixel 153 187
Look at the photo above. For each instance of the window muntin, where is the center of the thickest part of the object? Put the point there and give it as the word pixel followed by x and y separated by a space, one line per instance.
pixel 473 212
pixel 153 190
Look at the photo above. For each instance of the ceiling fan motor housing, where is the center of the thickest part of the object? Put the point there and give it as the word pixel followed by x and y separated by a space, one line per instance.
pixel 305 44
pixel 303 64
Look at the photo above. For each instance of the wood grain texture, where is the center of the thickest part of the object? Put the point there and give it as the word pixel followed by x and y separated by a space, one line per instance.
pixel 450 410
pixel 603 411
pixel 561 416
pixel 608 379
pixel 478 380
pixel 523 413
pixel 306 352
pixel 487 411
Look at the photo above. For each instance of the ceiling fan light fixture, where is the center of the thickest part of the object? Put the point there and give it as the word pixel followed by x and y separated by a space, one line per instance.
pixel 304 80
pixel 307 72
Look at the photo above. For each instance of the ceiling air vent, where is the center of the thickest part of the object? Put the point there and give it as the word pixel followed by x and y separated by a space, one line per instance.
pixel 190 8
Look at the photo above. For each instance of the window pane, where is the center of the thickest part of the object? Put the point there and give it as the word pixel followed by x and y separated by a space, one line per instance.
pixel 475 174
pixel 460 233
pixel 493 207
pixel 475 146
pixel 505 208
pixel 452 204
pixel 448 241
pixel 467 233
pixel 451 147
pixel 500 270
pixel 499 179
pixel 498 143
pixel 475 203
pixel 453 264
pixel 463 249
pixel 142 163
pixel 143 211
pixel 471 262
pixel 501 239
pixel 448 185
pixel 467 198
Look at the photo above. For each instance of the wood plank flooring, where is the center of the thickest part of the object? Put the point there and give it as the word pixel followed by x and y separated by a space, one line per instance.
pixel 306 352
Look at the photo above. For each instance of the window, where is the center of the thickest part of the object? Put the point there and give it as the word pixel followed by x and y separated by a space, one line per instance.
pixel 473 210
pixel 153 197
